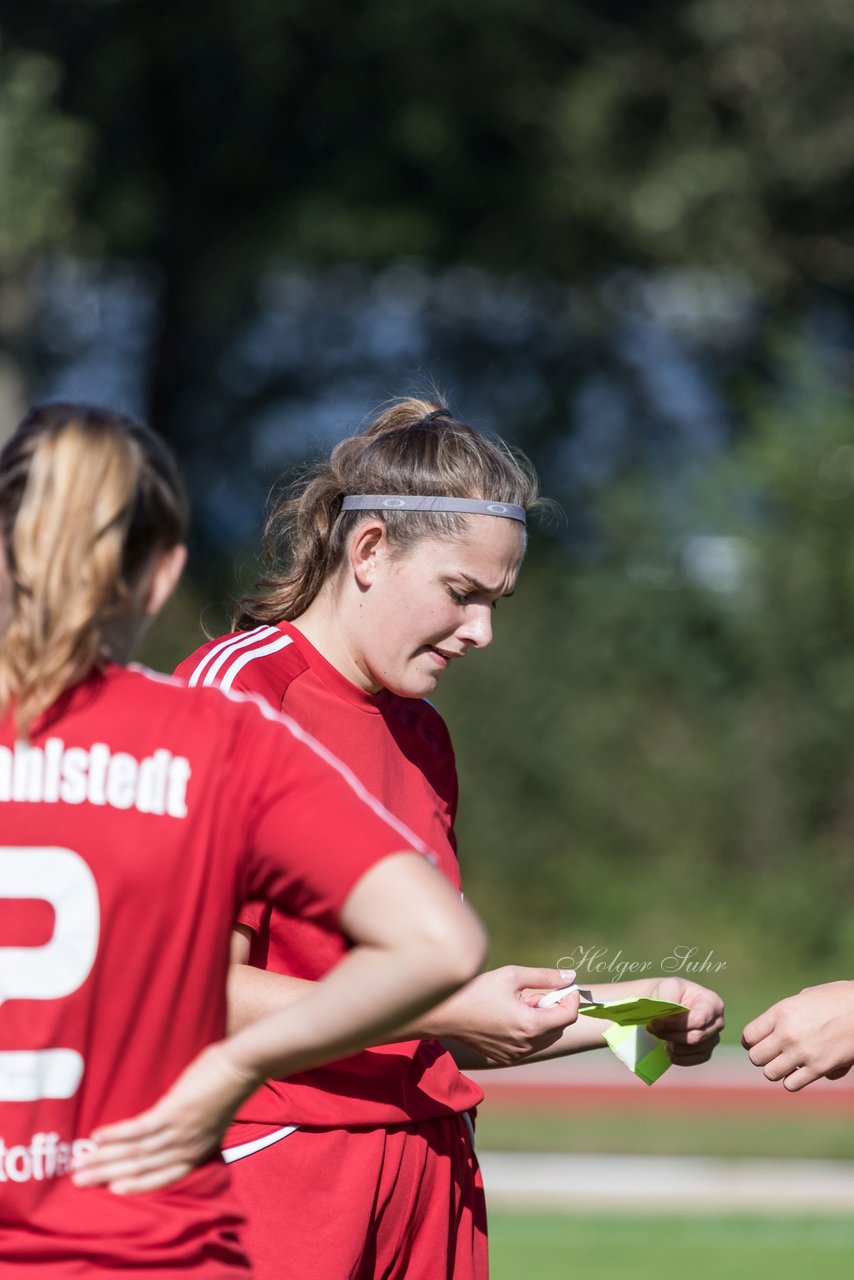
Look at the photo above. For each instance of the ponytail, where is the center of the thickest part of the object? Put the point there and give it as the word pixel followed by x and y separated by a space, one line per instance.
pixel 86 497
pixel 414 447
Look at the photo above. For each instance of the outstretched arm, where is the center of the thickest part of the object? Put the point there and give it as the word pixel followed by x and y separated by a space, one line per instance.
pixel 494 1021
pixel 255 993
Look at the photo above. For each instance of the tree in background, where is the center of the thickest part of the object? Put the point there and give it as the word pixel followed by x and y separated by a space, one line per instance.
pixel 659 747
pixel 557 139
pixel 42 157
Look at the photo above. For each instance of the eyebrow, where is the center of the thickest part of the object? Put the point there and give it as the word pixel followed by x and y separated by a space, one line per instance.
pixel 480 586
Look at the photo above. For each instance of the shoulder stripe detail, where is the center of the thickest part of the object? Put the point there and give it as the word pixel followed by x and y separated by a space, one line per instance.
pixel 281 642
pixel 218 653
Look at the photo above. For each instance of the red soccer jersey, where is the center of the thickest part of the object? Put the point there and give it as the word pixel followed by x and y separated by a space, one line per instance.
pixel 133 825
pixel 401 750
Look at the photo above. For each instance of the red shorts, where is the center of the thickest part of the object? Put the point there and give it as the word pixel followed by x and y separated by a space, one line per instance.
pixel 366 1204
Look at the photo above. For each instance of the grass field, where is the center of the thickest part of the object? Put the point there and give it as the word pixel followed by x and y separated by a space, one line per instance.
pixel 554 1246
pixel 696 1133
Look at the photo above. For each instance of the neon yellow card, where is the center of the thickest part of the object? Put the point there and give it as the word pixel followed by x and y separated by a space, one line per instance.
pixel 643 1053
pixel 631 1011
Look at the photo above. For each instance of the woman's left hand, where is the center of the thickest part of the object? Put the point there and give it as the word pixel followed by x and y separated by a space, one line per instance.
pixel 690 1037
pixel 161 1145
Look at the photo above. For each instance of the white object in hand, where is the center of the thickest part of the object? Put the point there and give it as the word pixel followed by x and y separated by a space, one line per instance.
pixel 554 997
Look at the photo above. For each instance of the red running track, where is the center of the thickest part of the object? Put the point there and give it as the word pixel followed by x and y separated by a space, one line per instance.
pixel 729 1083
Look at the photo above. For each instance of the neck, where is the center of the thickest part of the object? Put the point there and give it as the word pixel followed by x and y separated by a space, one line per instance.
pixel 120 637
pixel 324 626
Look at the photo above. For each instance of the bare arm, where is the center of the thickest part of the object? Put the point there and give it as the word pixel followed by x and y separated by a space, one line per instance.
pixel 494 1021
pixel 415 941
pixel 254 993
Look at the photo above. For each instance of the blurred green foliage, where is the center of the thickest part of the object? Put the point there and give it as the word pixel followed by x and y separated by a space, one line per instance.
pixel 42 154
pixel 560 137
pixel 657 751
pixel 559 134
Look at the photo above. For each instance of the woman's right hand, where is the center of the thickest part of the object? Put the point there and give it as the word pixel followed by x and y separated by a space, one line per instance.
pixel 161 1145
pixel 496 1014
pixel 806 1036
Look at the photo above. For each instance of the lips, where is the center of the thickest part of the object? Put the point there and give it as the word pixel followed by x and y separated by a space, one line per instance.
pixel 442 655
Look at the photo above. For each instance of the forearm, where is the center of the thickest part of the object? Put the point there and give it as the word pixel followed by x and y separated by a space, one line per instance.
pixel 366 996
pixel 579 1037
pixel 256 993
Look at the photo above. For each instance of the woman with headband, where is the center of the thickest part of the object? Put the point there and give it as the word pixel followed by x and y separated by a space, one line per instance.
pixel 383 567
pixel 136 815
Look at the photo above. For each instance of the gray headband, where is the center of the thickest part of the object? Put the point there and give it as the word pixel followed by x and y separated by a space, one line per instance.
pixel 412 502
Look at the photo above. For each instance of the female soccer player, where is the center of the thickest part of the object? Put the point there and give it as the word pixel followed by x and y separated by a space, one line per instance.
pixel 136 815
pixel 385 567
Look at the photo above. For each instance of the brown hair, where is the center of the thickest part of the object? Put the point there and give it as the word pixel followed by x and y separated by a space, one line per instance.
pixel 86 498
pixel 414 447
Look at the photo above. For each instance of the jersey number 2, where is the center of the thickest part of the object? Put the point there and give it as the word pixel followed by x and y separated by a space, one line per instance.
pixel 60 877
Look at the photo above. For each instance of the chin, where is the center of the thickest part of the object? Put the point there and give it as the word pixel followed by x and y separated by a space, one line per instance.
pixel 414 686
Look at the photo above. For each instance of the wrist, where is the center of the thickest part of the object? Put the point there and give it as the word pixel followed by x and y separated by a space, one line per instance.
pixel 440 1023
pixel 240 1073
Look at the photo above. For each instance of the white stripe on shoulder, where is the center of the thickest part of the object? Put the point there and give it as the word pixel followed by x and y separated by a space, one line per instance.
pixel 281 642
pixel 220 653
pixel 353 782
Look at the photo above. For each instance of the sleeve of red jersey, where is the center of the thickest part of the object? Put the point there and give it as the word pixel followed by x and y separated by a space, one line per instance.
pixel 251 915
pixel 314 829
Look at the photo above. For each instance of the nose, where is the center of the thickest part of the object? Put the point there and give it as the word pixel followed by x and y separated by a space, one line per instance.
pixel 477 628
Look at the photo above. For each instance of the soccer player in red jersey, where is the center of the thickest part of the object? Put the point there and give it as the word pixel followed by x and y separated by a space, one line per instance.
pixel 384 567
pixel 136 815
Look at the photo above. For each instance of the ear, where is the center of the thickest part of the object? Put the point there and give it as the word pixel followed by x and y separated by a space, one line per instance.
pixel 167 569
pixel 368 550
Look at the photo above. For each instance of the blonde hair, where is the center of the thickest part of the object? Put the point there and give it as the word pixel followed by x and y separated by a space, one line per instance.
pixel 413 447
pixel 86 498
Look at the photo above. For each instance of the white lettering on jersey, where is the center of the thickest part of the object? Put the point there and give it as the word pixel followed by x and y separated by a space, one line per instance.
pixel 29 1074
pixel 76 775
pixel 45 1156
pixel 49 972
pixel 62 878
